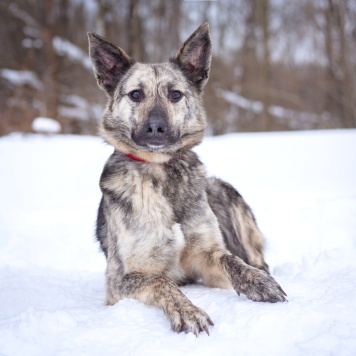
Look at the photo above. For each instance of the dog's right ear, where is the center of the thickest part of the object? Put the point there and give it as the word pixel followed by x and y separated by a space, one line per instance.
pixel 109 62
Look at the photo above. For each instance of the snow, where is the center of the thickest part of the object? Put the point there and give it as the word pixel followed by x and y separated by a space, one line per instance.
pixel 17 12
pixel 32 43
pixel 295 119
pixel 21 77
pixel 240 101
pixel 79 108
pixel 46 125
pixel 66 48
pixel 302 188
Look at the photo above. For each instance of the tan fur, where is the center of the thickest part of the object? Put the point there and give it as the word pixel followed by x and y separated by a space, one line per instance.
pixel 251 237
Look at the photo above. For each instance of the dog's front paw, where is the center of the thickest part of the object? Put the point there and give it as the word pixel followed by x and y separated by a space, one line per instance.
pixel 189 318
pixel 259 286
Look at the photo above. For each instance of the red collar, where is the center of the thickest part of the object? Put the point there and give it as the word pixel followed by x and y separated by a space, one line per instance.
pixel 135 158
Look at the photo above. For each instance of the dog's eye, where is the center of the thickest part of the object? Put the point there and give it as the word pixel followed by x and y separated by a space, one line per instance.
pixel 136 95
pixel 175 96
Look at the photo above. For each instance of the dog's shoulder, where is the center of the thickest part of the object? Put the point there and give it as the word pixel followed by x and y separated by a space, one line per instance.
pixel 186 171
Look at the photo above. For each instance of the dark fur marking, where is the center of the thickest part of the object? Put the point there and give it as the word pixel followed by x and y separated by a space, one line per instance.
pixel 125 205
pixel 101 228
pixel 221 196
pixel 177 176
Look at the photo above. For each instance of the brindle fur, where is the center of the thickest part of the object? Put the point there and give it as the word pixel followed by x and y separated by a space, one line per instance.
pixel 161 223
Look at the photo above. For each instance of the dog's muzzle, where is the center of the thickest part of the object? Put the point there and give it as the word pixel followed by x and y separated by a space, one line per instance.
pixel 155 133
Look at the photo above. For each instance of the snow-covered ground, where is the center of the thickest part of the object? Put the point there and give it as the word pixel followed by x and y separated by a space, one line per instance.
pixel 302 188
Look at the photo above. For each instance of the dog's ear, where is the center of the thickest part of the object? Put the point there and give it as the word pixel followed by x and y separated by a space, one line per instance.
pixel 194 56
pixel 109 62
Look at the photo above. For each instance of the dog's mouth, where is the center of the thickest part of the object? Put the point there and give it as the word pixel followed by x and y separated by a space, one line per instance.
pixel 156 148
pixel 153 145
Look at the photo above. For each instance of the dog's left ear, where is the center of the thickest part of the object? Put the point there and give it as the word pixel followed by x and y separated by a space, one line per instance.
pixel 194 56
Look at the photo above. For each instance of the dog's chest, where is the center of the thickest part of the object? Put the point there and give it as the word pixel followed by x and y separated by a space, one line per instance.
pixel 155 194
pixel 152 202
pixel 156 237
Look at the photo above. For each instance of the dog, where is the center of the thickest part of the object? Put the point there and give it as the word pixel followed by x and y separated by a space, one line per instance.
pixel 161 222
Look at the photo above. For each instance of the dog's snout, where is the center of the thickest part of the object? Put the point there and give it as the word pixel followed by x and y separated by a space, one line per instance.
pixel 156 126
pixel 155 131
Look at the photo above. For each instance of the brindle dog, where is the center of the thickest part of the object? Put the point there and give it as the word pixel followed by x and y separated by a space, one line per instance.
pixel 161 222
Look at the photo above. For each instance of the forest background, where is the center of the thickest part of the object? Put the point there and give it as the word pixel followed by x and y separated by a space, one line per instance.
pixel 277 65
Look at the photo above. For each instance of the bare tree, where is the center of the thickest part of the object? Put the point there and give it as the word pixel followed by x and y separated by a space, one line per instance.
pixel 136 47
pixel 50 64
pixel 102 23
pixel 265 77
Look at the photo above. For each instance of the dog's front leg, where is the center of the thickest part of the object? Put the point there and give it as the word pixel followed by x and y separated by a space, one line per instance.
pixel 162 292
pixel 256 284
pixel 219 266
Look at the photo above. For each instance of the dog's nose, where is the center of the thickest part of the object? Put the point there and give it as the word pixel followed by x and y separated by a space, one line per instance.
pixel 156 126
pixel 155 131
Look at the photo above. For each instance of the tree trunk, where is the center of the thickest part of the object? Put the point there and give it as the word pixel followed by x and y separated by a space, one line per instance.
pixel 135 39
pixel 266 65
pixel 101 21
pixel 50 62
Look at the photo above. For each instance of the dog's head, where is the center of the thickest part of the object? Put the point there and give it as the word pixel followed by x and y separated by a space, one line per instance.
pixel 153 110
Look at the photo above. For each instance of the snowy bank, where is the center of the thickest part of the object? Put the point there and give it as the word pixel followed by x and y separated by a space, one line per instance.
pixel 46 125
pixel 302 188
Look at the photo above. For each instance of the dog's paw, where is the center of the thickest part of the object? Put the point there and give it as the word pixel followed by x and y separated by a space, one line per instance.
pixel 259 286
pixel 189 318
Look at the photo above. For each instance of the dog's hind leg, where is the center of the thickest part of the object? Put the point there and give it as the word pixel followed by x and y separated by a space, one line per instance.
pixel 205 256
pixel 237 223
pixel 161 292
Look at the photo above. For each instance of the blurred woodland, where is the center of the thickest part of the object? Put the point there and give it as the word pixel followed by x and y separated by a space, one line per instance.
pixel 277 65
